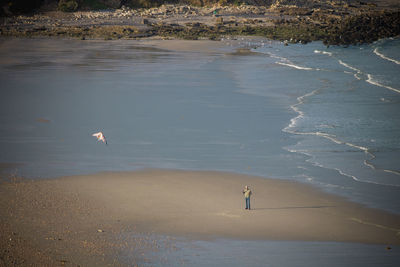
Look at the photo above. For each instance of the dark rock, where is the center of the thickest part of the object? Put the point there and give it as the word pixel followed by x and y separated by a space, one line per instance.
pixel 13 7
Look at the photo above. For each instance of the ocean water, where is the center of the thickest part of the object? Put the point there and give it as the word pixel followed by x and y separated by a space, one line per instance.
pixel 327 116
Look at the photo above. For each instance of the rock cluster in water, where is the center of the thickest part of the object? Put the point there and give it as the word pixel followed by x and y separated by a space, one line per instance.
pixel 334 23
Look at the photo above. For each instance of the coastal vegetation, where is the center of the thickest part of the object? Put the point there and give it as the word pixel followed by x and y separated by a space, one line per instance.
pixel 297 21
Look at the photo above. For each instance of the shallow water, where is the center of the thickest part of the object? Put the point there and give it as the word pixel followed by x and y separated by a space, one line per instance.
pixel 325 116
pixel 170 251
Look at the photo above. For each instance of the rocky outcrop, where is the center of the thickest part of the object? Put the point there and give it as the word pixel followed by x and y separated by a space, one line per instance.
pixel 333 23
pixel 363 28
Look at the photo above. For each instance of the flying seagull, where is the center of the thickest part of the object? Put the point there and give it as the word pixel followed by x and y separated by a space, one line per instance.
pixel 100 136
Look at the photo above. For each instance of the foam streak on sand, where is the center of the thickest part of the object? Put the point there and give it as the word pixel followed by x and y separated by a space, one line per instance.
pixel 376 52
pixel 396 230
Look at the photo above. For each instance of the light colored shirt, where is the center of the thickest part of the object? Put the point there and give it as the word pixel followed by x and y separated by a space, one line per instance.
pixel 247 193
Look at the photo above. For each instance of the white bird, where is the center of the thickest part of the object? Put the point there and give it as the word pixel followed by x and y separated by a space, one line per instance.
pixel 100 137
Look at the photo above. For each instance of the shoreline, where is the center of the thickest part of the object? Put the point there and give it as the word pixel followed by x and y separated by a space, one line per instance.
pixel 332 23
pixel 81 219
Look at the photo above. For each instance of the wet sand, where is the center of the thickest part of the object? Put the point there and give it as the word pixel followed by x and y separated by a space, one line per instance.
pixel 81 219
pixel 198 46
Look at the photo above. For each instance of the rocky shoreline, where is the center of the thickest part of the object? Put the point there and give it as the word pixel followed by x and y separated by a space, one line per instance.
pixel 334 23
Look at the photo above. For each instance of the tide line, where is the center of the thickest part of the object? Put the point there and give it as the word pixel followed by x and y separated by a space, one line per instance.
pixel 376 225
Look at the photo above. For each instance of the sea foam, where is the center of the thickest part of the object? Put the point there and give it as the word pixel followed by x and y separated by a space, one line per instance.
pixel 286 62
pixel 300 101
pixel 322 52
pixel 376 52
pixel 349 67
pixel 293 66
pixel 372 81
pixel 358 72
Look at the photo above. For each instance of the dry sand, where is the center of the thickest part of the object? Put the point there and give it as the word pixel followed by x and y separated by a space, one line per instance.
pixel 82 219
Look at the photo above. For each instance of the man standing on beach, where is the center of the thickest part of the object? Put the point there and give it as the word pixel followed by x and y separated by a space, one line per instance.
pixel 247 193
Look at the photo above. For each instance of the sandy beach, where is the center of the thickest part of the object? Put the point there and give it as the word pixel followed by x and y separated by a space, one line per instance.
pixel 77 220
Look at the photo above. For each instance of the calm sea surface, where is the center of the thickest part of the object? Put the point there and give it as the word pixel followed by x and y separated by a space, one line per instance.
pixel 325 116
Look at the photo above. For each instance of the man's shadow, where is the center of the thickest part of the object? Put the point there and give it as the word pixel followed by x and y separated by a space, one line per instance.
pixel 294 207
